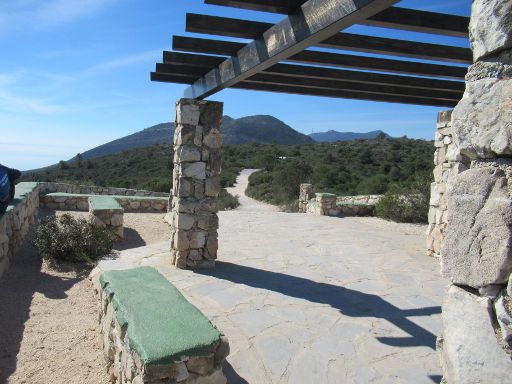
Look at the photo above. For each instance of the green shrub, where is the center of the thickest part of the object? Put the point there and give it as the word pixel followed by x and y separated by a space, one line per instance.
pixel 227 201
pixel 405 203
pixel 69 239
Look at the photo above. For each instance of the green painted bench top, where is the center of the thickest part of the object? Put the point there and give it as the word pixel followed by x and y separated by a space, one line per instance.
pixel 104 203
pixel 162 324
pixel 353 204
pixel 20 193
pixel 117 197
pixel 325 195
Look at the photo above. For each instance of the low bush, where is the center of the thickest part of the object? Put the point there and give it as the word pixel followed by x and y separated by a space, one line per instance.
pixel 227 201
pixel 405 203
pixel 68 239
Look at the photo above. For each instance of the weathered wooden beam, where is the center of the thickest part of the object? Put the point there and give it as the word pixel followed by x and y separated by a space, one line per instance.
pixel 218 47
pixel 224 26
pixel 421 21
pixel 308 82
pixel 393 17
pixel 207 62
pixel 273 6
pixel 291 89
pixel 314 21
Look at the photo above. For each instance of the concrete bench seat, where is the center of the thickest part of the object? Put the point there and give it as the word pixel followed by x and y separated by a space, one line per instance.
pixel 152 334
pixel 105 211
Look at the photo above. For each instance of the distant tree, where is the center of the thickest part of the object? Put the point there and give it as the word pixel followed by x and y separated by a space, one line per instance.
pixel 63 165
pixel 381 136
pixel 79 160
pixel 89 164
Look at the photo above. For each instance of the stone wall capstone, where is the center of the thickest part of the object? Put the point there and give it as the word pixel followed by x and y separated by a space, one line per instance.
pixel 193 202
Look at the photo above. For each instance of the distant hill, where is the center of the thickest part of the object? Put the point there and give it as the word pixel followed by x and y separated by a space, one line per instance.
pixel 332 136
pixel 258 129
pixel 157 134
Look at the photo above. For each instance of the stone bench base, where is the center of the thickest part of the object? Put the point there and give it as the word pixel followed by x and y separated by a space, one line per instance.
pixel 105 211
pixel 152 334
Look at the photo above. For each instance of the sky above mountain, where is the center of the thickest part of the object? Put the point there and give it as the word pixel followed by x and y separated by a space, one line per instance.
pixel 74 74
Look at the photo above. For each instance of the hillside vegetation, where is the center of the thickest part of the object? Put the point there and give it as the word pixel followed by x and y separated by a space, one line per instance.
pixel 345 168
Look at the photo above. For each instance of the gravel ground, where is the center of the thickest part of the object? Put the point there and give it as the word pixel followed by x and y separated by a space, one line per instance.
pixel 48 322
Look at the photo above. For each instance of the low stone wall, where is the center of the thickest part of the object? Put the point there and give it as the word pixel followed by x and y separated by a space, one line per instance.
pixel 49 187
pixel 328 204
pixel 75 202
pixel 16 221
pixel 166 349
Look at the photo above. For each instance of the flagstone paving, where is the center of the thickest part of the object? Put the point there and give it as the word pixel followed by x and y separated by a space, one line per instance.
pixel 314 299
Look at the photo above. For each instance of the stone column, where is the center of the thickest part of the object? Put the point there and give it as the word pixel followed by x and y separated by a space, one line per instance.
pixel 306 192
pixel 447 162
pixel 196 183
pixel 477 251
pixel 326 204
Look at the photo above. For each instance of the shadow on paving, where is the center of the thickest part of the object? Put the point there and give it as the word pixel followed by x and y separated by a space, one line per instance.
pixel 349 302
pixel 17 288
pixel 132 239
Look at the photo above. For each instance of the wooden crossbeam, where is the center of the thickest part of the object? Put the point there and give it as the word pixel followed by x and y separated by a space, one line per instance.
pixel 293 89
pixel 230 27
pixel 314 21
pixel 218 47
pixel 309 82
pixel 393 17
pixel 205 63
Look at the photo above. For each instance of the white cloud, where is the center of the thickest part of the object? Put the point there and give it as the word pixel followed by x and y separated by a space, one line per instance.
pixel 141 57
pixel 13 102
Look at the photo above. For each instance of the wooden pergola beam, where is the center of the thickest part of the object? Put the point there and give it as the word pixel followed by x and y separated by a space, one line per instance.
pixel 308 82
pixel 204 63
pixel 230 27
pixel 310 91
pixel 226 48
pixel 314 21
pixel 394 17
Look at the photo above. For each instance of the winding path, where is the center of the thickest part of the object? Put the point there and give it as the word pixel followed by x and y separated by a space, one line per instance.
pixel 314 299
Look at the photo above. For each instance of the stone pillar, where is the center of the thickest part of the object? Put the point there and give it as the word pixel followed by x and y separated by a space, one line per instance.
pixel 447 162
pixel 196 183
pixel 326 204
pixel 306 192
pixel 477 251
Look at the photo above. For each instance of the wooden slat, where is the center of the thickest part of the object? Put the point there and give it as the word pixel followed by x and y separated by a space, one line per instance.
pixel 394 17
pixel 278 79
pixel 314 21
pixel 217 47
pixel 230 27
pixel 421 21
pixel 205 62
pixel 273 6
pixel 172 78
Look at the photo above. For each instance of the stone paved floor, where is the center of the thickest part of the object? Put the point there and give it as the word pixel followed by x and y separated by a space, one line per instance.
pixel 312 299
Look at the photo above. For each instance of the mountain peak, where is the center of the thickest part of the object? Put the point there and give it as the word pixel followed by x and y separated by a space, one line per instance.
pixel 332 135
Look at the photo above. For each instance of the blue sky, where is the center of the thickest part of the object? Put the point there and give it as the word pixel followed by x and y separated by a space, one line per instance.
pixel 74 74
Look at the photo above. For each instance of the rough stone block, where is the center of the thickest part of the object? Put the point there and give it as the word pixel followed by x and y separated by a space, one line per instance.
pixel 183 221
pixel 212 186
pixel 194 170
pixel 477 246
pixel 187 154
pixel 490 29
pixel 469 349
pixel 482 121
